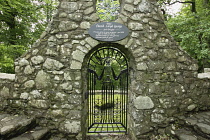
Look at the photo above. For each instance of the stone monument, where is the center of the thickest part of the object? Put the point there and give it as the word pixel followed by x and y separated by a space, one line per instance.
pixel 51 78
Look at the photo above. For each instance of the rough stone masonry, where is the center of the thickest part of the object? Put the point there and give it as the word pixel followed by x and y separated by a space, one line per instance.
pixel 50 80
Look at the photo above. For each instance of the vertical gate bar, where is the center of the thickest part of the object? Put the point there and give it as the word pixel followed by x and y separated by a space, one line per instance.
pixel 123 101
pixel 107 93
pixel 88 88
pixel 91 122
pixel 127 101
pixel 92 98
pixel 106 117
pixel 103 94
pixel 102 102
pixel 112 100
pixel 123 93
pixel 105 102
pixel 89 99
pixel 126 117
pixel 102 97
pixel 94 94
pixel 91 84
pixel 89 104
pixel 105 86
pixel 125 106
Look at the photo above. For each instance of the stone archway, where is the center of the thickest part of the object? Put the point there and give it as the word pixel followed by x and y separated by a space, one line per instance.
pixel 128 70
pixel 107 91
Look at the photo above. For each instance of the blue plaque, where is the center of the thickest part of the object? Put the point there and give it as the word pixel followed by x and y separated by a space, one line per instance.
pixel 108 31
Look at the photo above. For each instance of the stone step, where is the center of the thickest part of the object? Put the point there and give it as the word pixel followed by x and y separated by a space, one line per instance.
pixel 37 133
pixel 186 134
pixel 200 123
pixel 12 125
pixel 194 127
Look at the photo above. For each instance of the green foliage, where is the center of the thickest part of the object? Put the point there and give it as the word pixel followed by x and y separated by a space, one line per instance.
pixel 16 18
pixel 192 32
pixel 7 56
pixel 21 23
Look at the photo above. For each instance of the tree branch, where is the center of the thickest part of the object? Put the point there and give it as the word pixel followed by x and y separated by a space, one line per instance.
pixel 191 2
pixel 168 3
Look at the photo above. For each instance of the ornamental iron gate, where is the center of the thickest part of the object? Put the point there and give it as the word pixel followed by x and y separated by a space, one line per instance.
pixel 107 91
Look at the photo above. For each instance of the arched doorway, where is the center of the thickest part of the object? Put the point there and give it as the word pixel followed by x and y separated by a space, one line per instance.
pixel 107 86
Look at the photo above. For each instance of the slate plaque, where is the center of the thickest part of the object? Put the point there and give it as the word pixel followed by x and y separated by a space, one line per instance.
pixel 108 31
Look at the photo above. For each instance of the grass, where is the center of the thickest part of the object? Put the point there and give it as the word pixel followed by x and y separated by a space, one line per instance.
pixel 109 120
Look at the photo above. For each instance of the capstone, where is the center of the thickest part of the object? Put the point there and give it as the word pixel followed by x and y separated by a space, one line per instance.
pixel 78 55
pixel 91 41
pixel 76 65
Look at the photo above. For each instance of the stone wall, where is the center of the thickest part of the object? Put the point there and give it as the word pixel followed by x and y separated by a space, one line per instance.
pixel 51 77
pixel 206 73
pixel 6 90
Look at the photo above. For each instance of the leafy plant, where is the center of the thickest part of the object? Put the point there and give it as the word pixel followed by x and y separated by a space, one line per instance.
pixel 21 23
pixel 7 56
pixel 191 30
